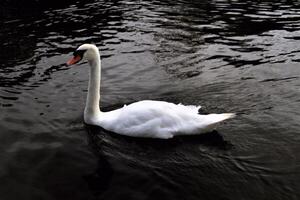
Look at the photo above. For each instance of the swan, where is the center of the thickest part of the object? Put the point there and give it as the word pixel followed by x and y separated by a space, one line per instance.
pixel 147 118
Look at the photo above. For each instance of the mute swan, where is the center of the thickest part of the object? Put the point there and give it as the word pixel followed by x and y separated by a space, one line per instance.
pixel 153 119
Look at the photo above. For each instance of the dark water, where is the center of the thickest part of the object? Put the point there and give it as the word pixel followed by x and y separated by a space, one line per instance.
pixel 228 56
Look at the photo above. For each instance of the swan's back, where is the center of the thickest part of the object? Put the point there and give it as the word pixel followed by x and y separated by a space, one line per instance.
pixel 158 119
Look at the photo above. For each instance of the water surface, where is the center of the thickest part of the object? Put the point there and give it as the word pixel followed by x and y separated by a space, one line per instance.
pixel 228 56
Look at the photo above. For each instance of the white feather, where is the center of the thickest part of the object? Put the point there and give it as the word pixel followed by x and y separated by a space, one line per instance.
pixel 158 119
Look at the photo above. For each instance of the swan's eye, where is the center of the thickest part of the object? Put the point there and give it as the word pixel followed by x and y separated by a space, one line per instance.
pixel 79 53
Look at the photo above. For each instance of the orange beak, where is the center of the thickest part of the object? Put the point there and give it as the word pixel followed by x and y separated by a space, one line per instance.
pixel 74 60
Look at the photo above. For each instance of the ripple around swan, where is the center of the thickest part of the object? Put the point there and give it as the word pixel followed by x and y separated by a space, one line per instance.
pixel 227 56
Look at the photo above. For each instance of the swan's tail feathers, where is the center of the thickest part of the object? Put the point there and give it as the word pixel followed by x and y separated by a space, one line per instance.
pixel 213 119
pixel 225 116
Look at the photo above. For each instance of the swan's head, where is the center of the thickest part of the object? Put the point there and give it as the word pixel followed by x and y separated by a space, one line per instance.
pixel 85 51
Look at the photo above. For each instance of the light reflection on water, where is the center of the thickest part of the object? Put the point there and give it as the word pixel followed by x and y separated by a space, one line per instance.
pixel 228 56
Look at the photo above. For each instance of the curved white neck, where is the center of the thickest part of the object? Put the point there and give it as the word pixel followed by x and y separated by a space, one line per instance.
pixel 92 109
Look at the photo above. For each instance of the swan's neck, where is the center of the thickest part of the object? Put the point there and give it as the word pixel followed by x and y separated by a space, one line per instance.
pixel 92 110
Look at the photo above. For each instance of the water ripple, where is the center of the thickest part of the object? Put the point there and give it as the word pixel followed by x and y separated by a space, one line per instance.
pixel 228 56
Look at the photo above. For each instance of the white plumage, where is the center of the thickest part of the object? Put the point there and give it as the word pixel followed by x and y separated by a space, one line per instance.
pixel 158 119
pixel 154 119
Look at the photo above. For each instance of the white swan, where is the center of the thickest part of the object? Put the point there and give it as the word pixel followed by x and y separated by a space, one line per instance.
pixel 154 119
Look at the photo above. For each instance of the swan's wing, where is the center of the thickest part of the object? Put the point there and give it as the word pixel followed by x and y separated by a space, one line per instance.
pixel 159 119
pixel 148 118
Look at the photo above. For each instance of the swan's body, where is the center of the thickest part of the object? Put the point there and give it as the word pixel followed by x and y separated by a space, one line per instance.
pixel 154 119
